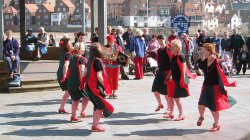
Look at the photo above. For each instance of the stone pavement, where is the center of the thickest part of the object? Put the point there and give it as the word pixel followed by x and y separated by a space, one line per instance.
pixel 34 115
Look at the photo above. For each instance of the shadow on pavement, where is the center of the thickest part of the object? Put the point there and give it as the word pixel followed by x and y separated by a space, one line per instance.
pixel 36 122
pixel 49 132
pixel 134 121
pixel 165 132
pixel 27 114
pixel 45 102
pixel 129 115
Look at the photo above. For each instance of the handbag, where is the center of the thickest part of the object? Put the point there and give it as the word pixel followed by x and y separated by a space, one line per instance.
pixel 133 54
pixel 43 49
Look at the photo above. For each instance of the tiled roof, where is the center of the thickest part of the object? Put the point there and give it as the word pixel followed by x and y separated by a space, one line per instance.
pixel 9 10
pixel 49 7
pixel 115 1
pixel 31 7
pixel 68 3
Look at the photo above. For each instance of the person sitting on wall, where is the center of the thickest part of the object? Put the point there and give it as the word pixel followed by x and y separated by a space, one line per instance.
pixel 30 42
pixel 11 52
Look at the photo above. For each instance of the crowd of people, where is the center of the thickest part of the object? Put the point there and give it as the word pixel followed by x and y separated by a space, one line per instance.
pixel 91 73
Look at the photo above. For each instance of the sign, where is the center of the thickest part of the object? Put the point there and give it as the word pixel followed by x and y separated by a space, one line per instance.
pixel 180 23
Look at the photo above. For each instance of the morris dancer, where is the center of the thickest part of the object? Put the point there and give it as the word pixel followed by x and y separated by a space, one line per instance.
pixel 77 66
pixel 96 84
pixel 163 59
pixel 112 67
pixel 213 94
pixel 177 87
pixel 66 48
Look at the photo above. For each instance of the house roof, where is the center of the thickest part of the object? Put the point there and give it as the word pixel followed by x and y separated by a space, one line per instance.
pixel 9 10
pixel 68 3
pixel 241 6
pixel 49 7
pixel 31 7
pixel 115 1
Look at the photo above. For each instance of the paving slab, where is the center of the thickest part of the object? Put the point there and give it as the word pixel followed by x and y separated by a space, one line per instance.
pixel 34 115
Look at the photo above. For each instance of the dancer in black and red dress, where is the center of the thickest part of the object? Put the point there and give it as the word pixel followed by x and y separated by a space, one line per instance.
pixel 66 48
pixel 213 94
pixel 178 86
pixel 97 87
pixel 163 59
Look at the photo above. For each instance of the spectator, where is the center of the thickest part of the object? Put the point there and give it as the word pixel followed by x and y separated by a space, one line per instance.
pixel 75 35
pixel 121 43
pixel 226 45
pixel 139 46
pixel 52 41
pixel 11 52
pixel 109 28
pixel 187 50
pixel 153 46
pixel 242 59
pixel 173 36
pixel 128 37
pixel 113 32
pixel 94 37
pixel 216 41
pixel 146 36
pixel 203 38
pixel 248 48
pixel 30 43
pixel 42 40
pixel 237 42
pixel 196 47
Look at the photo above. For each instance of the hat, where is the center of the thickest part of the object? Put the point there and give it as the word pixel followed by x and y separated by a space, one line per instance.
pixel 30 30
pixel 111 38
pixel 160 37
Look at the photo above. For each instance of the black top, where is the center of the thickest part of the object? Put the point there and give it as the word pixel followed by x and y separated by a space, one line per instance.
pixel 82 61
pixel 147 38
pixel 97 65
pixel 163 59
pixel 94 38
pixel 243 56
pixel 175 69
pixel 201 40
pixel 226 44
pixel 210 74
pixel 67 56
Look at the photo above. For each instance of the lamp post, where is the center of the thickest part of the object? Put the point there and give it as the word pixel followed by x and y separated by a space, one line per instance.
pixel 1 30
pixel 83 16
pixel 147 14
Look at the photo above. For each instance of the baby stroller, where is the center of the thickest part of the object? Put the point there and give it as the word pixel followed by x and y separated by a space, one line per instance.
pixel 227 65
pixel 150 63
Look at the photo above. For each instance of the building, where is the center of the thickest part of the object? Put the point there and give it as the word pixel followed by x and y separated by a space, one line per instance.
pixel 30 12
pixel 43 14
pixel 195 11
pixel 10 15
pixel 137 13
pixel 77 14
pixel 115 10
pixel 210 22
pixel 65 8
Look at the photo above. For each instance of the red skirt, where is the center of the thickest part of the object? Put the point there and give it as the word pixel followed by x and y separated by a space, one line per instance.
pixel 177 91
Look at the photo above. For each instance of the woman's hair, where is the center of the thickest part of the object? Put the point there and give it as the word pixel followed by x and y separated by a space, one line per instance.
pixel 64 43
pixel 210 47
pixel 95 50
pixel 177 43
pixel 138 32
pixel 154 35
pixel 78 46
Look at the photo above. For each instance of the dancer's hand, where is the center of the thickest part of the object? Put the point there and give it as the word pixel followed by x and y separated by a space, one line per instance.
pixel 63 80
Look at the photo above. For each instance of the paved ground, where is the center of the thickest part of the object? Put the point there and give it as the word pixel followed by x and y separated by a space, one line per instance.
pixel 34 116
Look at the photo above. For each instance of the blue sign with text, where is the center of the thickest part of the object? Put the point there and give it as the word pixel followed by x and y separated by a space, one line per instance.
pixel 180 23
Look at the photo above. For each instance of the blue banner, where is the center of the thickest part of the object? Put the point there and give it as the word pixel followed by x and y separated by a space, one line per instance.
pixel 180 23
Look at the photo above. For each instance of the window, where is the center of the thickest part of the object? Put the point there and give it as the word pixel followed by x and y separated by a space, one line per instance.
pixel 46 17
pixel 6 16
pixel 64 9
pixel 145 18
pixel 58 10
pixel 27 17
pixel 40 10
pixel 11 16
pixel 77 10
pixel 38 17
pixel 44 10
pixel 61 4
